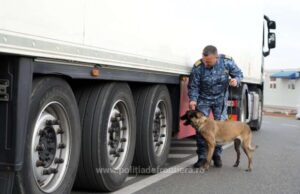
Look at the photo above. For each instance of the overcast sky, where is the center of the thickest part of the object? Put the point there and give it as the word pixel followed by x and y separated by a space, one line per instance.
pixel 286 13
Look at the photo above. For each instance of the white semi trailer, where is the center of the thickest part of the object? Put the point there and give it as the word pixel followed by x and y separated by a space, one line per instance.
pixel 89 88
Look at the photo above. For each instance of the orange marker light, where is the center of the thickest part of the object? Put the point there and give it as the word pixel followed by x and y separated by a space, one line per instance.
pixel 95 72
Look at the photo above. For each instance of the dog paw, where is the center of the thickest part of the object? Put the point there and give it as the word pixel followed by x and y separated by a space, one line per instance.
pixel 206 166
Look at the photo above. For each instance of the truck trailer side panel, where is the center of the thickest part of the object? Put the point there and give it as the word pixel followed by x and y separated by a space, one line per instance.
pixel 150 35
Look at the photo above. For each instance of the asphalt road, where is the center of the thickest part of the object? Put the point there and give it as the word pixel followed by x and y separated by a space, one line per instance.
pixel 276 166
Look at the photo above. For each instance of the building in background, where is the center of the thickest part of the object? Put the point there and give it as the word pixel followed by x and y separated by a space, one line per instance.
pixel 282 90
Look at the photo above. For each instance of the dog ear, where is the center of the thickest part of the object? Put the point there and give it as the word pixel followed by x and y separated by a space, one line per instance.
pixel 184 117
pixel 199 115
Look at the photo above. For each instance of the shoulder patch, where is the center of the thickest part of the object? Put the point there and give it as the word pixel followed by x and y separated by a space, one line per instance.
pixel 197 63
pixel 227 57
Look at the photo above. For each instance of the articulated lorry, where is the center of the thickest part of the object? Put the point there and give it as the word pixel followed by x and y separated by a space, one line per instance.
pixel 90 88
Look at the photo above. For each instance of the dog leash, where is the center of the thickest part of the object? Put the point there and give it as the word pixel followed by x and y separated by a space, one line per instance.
pixel 231 107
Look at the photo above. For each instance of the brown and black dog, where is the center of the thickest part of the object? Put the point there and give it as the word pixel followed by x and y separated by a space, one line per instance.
pixel 221 132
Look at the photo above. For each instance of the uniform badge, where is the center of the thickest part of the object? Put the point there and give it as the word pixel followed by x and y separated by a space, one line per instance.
pixel 197 63
pixel 228 57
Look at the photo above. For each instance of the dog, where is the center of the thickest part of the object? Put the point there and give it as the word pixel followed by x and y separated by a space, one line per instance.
pixel 221 132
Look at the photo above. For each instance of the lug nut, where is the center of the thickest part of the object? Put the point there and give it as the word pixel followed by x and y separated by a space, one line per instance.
pixel 120 150
pixel 58 161
pixel 40 163
pixel 61 146
pixel 53 170
pixel 60 131
pixel 111 152
pixel 111 130
pixel 46 172
pixel 39 148
pixel 120 119
pixel 52 122
pixel 110 143
pixel 159 143
pixel 50 171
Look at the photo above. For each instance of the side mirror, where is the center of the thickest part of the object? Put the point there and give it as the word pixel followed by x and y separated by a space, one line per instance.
pixel 272 40
pixel 271 25
pixel 269 38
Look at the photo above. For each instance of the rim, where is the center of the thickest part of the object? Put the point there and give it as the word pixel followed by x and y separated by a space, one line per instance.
pixel 50 146
pixel 259 113
pixel 118 134
pixel 242 114
pixel 160 126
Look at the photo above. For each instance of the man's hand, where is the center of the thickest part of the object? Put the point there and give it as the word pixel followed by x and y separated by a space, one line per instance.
pixel 233 82
pixel 193 105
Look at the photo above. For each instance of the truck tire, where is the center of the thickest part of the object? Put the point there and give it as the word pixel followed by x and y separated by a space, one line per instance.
pixel 108 140
pixel 154 127
pixel 256 124
pixel 53 140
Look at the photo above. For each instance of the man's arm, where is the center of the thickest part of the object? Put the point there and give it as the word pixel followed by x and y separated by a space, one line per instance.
pixel 234 71
pixel 193 86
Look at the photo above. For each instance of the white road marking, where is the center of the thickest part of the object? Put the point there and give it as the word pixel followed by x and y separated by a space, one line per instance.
pixel 178 155
pixel 130 178
pixel 160 176
pixel 183 148
pixel 290 125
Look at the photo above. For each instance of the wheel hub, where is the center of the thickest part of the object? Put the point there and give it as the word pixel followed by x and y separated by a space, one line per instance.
pixel 47 146
pixel 159 128
pixel 50 147
pixel 118 135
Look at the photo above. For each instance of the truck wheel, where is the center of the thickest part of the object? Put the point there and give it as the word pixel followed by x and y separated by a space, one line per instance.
pixel 154 126
pixel 256 124
pixel 109 129
pixel 53 140
pixel 243 104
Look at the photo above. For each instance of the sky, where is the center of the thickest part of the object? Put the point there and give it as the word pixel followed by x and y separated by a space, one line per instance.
pixel 286 13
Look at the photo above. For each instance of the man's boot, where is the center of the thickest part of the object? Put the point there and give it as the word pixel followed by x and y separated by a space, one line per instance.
pixel 199 163
pixel 217 161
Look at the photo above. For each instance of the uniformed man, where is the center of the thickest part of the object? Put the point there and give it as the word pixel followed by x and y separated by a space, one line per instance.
pixel 208 91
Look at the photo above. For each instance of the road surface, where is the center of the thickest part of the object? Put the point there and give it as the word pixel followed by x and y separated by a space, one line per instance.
pixel 276 166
